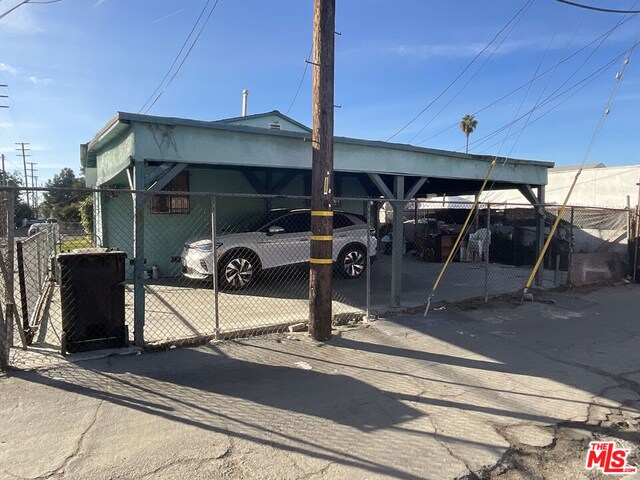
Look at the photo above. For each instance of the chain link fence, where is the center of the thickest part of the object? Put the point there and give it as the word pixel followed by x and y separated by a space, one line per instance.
pixel 179 268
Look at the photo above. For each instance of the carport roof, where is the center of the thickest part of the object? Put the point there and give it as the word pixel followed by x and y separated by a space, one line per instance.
pixel 192 141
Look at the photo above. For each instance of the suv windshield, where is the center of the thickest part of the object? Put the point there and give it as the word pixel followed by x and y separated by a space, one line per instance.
pixel 253 223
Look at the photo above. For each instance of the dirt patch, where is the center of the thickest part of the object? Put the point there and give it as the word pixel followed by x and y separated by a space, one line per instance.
pixel 565 457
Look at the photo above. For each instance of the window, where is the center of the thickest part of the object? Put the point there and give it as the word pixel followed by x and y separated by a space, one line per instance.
pixel 341 221
pixel 295 223
pixel 167 203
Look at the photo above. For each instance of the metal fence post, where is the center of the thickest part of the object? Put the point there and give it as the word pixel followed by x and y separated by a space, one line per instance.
pixel 571 245
pixel 214 274
pixel 5 339
pixel 38 259
pixel 368 286
pixel 138 248
pixel 486 255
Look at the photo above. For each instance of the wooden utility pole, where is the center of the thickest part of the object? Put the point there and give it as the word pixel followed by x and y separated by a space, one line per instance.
pixel 33 184
pixel 321 263
pixel 24 156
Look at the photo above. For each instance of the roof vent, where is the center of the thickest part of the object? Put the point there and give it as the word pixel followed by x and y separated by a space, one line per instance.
pixel 274 126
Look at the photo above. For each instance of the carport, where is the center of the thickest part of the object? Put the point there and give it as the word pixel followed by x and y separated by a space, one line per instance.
pixel 269 155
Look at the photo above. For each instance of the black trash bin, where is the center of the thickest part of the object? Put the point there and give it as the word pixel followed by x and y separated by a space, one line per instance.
pixel 92 301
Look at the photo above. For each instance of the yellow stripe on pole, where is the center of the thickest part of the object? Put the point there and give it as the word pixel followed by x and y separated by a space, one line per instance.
pixel 321 261
pixel 322 238
pixel 321 213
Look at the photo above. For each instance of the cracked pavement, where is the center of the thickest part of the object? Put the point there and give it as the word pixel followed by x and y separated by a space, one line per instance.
pixel 464 393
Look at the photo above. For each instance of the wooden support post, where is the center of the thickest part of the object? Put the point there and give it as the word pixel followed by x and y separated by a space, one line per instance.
pixel 139 199
pixel 320 262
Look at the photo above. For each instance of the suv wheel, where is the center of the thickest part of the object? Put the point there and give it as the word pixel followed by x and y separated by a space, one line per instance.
pixel 352 262
pixel 238 270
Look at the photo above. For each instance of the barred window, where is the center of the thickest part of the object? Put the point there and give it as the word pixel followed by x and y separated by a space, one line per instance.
pixel 167 203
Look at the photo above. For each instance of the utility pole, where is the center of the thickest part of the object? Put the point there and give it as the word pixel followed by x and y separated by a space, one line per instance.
pixel 33 184
pixel 2 95
pixel 4 172
pixel 22 149
pixel 320 262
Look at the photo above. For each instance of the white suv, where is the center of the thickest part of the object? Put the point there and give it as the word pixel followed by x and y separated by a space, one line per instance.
pixel 274 239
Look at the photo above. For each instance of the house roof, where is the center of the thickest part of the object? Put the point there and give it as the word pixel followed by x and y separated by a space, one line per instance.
pixel 576 167
pixel 276 113
pixel 121 120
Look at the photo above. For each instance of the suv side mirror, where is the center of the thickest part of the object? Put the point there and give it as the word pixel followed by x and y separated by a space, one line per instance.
pixel 273 229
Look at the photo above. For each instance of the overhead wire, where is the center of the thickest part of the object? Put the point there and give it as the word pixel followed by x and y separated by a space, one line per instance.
pixel 184 58
pixel 476 201
pixel 585 81
pixel 304 74
pixel 594 137
pixel 598 9
pixel 24 2
pixel 552 96
pixel 463 71
pixel 175 60
pixel 470 79
pixel 520 87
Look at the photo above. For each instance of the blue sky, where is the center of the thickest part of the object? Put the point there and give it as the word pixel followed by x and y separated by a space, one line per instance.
pixel 71 65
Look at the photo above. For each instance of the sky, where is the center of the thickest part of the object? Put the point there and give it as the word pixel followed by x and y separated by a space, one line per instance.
pixel 72 64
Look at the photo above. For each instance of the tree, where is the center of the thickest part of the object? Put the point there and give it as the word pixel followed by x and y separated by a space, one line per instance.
pixel 468 124
pixel 22 210
pixel 62 202
pixel 86 215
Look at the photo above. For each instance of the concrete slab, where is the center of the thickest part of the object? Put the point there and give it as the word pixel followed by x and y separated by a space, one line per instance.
pixel 376 403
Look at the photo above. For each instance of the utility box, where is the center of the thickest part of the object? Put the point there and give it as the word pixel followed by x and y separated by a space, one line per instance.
pixel 92 301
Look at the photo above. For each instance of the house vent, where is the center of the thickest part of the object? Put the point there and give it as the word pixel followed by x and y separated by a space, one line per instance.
pixel 274 126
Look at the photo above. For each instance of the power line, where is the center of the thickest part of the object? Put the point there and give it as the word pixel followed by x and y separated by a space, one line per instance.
pixel 473 60
pixel 24 2
pixel 537 102
pixel 594 137
pixel 304 74
pixel 597 9
pixel 461 89
pixel 600 38
pixel 553 95
pixel 175 60
pixel 549 99
pixel 184 59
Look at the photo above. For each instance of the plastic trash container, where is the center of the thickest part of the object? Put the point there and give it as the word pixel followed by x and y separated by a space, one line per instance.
pixel 92 301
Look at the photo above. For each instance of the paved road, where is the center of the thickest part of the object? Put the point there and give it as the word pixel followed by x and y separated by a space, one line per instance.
pixel 403 398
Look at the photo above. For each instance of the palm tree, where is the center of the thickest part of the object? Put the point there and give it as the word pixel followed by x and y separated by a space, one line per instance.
pixel 468 124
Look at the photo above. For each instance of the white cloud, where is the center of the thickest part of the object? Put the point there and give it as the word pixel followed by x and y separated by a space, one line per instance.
pixel 39 81
pixel 4 67
pixel 469 49
pixel 167 16
pixel 437 50
pixel 6 125
pixel 99 2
